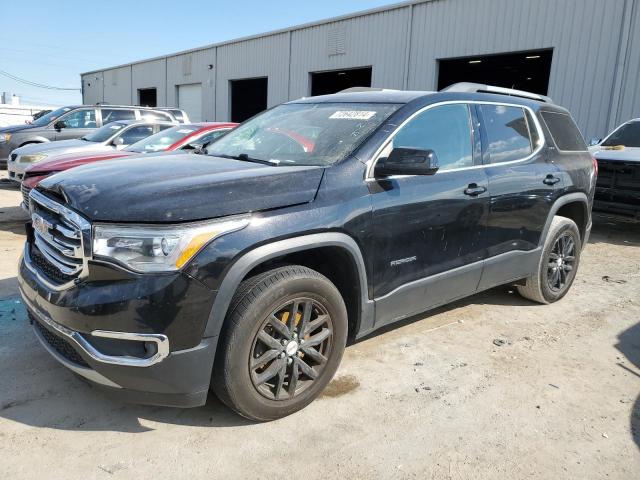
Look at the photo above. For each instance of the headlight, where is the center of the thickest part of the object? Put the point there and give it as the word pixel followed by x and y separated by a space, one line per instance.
pixel 5 137
pixel 32 158
pixel 158 248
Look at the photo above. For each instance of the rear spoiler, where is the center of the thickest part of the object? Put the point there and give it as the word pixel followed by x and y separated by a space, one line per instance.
pixel 468 87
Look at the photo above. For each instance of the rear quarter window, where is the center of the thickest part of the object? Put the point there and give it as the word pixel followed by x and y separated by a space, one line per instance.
pixel 564 131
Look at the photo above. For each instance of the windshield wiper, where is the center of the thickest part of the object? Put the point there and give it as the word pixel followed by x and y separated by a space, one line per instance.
pixel 246 158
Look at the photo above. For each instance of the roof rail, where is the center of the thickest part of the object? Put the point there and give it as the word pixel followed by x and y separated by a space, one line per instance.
pixel 481 88
pixel 362 89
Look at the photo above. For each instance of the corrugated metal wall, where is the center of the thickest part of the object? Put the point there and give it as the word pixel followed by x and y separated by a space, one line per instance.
pixel 264 57
pixel 191 68
pixel 595 70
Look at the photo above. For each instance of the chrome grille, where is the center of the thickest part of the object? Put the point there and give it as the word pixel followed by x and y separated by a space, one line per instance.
pixel 58 240
pixel 25 194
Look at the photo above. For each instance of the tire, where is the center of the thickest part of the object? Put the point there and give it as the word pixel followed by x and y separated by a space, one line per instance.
pixel 254 344
pixel 544 287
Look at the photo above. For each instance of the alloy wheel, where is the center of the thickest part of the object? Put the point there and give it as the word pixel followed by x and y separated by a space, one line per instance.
pixel 291 349
pixel 561 262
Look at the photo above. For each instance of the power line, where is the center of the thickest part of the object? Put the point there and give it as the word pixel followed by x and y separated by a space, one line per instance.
pixel 35 84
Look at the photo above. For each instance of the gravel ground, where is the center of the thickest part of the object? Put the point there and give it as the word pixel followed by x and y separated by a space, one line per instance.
pixel 489 387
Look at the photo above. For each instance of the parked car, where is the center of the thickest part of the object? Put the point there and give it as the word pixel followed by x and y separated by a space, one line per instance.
pixel 71 122
pixel 618 156
pixel 317 221
pixel 181 137
pixel 112 137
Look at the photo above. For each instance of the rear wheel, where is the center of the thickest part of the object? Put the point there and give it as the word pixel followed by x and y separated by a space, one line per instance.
pixel 283 341
pixel 558 263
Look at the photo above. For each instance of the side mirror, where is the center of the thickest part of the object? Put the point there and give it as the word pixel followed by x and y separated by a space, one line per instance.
pixel 59 125
pixel 407 161
pixel 594 141
pixel 201 149
pixel 119 143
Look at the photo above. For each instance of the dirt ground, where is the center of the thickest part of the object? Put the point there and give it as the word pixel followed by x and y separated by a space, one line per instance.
pixel 490 387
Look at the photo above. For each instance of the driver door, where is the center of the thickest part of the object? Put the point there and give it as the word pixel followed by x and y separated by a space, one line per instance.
pixel 77 123
pixel 430 230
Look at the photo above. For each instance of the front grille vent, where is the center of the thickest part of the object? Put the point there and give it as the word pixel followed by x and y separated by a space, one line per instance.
pixel 25 194
pixel 56 249
pixel 60 345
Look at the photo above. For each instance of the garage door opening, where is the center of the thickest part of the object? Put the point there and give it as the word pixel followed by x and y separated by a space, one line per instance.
pixel 325 83
pixel 248 97
pixel 529 70
pixel 190 100
pixel 147 97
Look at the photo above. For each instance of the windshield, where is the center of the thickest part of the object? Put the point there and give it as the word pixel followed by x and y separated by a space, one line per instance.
pixel 49 117
pixel 162 140
pixel 303 133
pixel 104 133
pixel 627 135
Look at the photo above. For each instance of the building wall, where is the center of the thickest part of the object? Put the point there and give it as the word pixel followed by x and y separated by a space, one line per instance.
pixel 193 68
pixel 594 73
pixel 117 86
pixel 263 57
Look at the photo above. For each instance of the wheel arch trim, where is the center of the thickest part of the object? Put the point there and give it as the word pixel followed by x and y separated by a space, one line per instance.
pixel 575 197
pixel 255 257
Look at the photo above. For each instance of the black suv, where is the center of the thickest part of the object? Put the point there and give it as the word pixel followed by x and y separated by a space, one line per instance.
pixel 248 269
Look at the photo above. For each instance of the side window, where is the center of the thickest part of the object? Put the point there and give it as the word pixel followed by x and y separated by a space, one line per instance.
pixel 507 133
pixel 564 131
pixel 111 115
pixel 446 130
pixel 80 119
pixel 135 134
pixel 155 115
pixel 209 137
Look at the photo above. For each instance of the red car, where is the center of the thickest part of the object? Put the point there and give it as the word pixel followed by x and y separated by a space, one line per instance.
pixel 180 137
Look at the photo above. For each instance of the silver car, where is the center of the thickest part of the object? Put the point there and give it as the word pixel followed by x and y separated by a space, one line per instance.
pixel 113 136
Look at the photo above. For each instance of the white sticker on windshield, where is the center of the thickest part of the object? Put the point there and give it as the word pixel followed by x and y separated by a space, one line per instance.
pixel 353 114
pixel 185 130
pixel 115 127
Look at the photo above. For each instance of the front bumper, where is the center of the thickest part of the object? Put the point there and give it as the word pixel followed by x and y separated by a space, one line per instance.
pixel 16 169
pixel 113 348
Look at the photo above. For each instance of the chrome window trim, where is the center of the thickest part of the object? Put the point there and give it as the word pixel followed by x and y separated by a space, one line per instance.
pixel 78 339
pixel 369 177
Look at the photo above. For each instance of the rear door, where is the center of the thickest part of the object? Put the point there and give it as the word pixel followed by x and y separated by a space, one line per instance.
pixel 523 184
pixel 429 230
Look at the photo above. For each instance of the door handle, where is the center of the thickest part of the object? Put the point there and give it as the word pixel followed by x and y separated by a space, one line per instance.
pixel 473 190
pixel 550 180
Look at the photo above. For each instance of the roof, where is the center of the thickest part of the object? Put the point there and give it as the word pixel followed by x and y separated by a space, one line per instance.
pixel 362 13
pixel 366 96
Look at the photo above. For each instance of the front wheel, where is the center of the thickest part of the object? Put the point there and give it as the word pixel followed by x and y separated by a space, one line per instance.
pixel 282 343
pixel 558 264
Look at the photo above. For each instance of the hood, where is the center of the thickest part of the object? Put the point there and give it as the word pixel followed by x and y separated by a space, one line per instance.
pixel 625 154
pixel 17 128
pixel 180 187
pixel 58 163
pixel 66 146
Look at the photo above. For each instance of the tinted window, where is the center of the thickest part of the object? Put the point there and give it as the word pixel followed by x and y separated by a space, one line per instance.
pixel 507 133
pixel 446 130
pixel 110 115
pixel 136 134
pixel 80 119
pixel 161 140
pixel 627 135
pixel 564 131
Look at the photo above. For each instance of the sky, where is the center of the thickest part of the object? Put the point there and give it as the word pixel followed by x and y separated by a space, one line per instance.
pixel 56 41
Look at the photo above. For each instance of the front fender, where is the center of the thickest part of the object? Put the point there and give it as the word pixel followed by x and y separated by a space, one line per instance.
pixel 243 265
